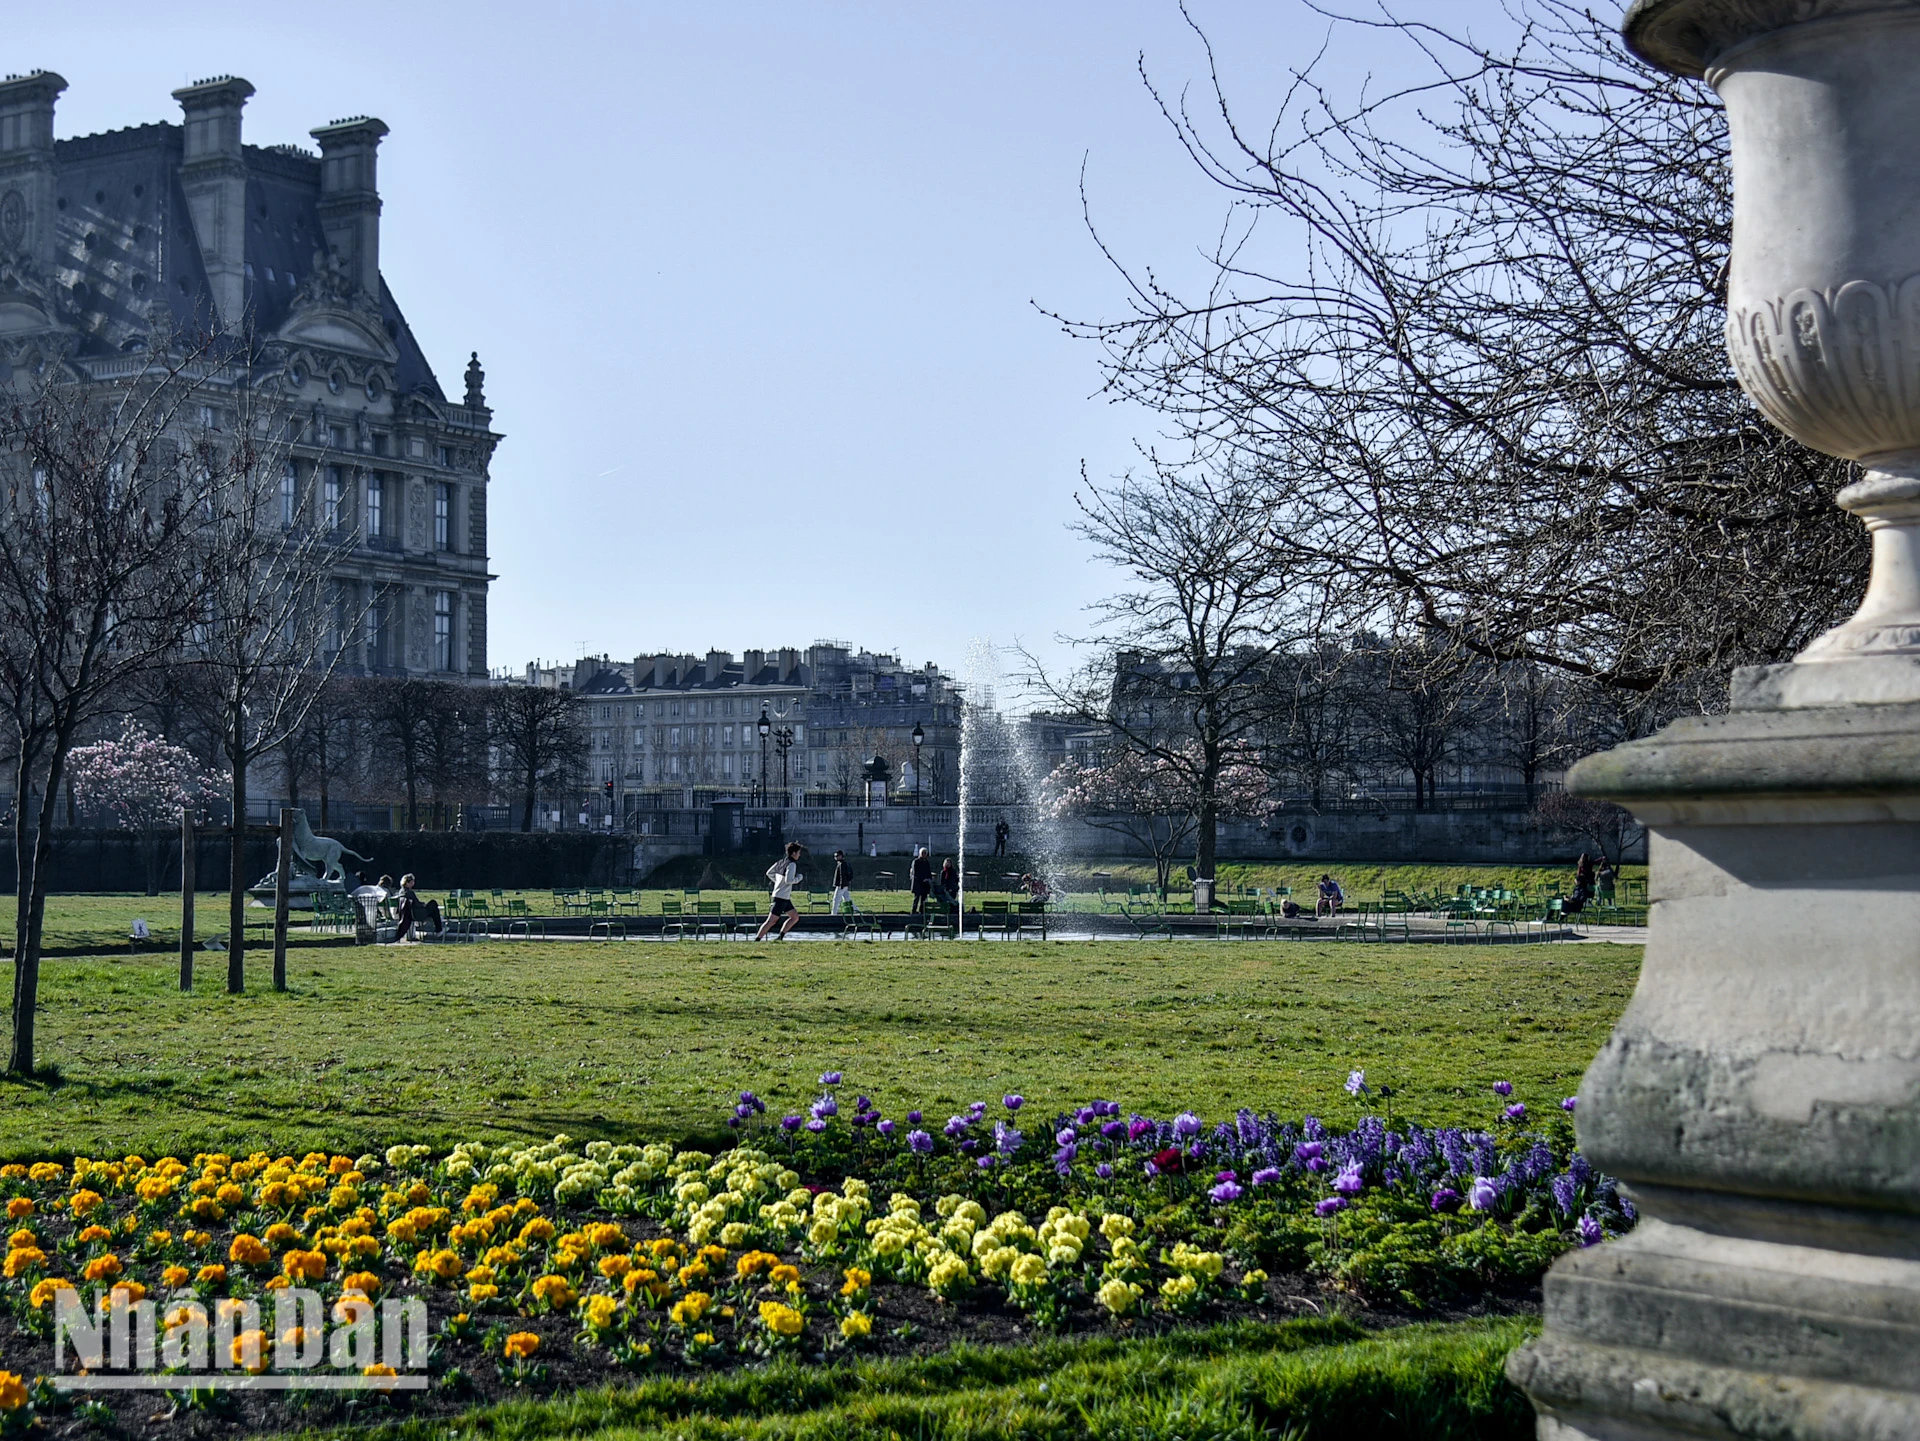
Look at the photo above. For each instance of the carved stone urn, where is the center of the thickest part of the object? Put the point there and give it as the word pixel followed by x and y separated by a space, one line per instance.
pixel 1760 1098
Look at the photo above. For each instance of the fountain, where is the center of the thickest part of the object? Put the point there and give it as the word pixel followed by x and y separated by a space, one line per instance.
pixel 1001 771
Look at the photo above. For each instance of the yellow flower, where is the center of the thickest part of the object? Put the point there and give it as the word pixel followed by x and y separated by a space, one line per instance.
pixel 690 1308
pixel 84 1201
pixel 249 1351
pixel 19 1206
pixel 351 1308
pixel 22 1237
pixel 604 1235
pixel 304 1265
pixel 537 1231
pixel 753 1263
pixel 556 1291
pixel 715 1256
pixel 441 1265
pixel 365 1282
pixel 100 1268
pixel 614 1267
pixel 482 1291
pixel 199 1240
pixel 784 1275
pixel 598 1312
pixel 857 1281
pixel 662 1247
pixel 520 1345
pixel 159 1238
pixel 25 1258
pixel 211 1275
pixel 643 1280
pixel 692 1273
pixel 44 1171
pixel 13 1391
pixel 783 1321
pixel 281 1234
pixel 176 1276
pixel 857 1326
pixel 91 1234
pixel 248 1251
pixel 44 1291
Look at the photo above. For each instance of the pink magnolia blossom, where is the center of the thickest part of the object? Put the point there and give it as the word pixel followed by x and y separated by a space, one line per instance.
pixel 145 781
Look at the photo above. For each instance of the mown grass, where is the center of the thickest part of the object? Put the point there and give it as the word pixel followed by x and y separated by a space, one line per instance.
pixel 104 923
pixel 636 1040
pixel 1301 1379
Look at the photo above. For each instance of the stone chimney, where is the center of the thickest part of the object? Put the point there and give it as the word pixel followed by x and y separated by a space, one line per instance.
pixel 214 177
pixel 756 661
pixel 789 663
pixel 663 668
pixel 717 663
pixel 26 167
pixel 350 197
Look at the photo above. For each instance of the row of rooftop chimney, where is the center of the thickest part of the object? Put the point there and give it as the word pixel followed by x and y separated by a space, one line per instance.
pixel 214 176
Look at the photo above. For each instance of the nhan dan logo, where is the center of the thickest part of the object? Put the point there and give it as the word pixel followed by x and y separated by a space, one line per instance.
pixel 183 1343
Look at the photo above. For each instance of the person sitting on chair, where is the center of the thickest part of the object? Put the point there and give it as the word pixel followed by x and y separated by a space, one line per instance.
pixel 414 912
pixel 1331 898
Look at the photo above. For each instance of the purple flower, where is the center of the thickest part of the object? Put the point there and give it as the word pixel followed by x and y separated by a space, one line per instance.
pixel 914 1118
pixel 977 1108
pixel 1482 1193
pixel 1013 1102
pixel 1565 1190
pixel 1308 1151
pixel 1065 1136
pixel 1357 1083
pixel 1225 1176
pixel 1349 1182
pixel 885 1128
pixel 1085 1116
pixel 830 1078
pixel 824 1107
pixel 957 1125
pixel 1186 1125
pixel 789 1123
pixel 741 1112
pixel 920 1143
pixel 1332 1206
pixel 862 1104
pixel 1590 1232
pixel 1115 1131
pixel 1103 1171
pixel 1445 1199
pixel 1151 1170
pixel 734 1122
pixel 1266 1175
pixel 1568 1104
pixel 1517 1111
pixel 1139 1126
pixel 1065 1156
pixel 747 1098
pixel 1503 1088
pixel 1225 1192
pixel 985 1163
pixel 1006 1140
pixel 816 1125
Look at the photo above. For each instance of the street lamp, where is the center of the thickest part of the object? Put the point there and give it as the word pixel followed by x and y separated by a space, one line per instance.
pixel 919 739
pixel 766 725
pixel 783 739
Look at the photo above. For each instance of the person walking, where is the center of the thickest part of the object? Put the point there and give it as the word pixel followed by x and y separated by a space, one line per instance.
pixel 843 885
pixel 785 874
pixel 921 879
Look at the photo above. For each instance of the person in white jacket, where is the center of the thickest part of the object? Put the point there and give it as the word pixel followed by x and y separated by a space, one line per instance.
pixel 784 874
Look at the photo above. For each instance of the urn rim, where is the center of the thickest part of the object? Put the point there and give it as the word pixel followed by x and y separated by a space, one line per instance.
pixel 1685 37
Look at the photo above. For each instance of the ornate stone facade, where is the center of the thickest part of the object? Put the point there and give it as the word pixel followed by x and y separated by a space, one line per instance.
pixel 112 245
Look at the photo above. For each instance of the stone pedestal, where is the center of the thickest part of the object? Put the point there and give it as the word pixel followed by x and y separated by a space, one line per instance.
pixel 1761 1095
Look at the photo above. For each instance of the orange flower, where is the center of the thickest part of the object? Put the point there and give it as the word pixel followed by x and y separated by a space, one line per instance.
pixel 365 1282
pixel 102 1268
pixel 520 1345
pixel 19 1206
pixel 248 1251
pixel 249 1351
pixel 176 1276
pixel 304 1265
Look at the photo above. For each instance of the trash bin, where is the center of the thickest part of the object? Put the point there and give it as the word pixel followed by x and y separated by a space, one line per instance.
pixel 1202 895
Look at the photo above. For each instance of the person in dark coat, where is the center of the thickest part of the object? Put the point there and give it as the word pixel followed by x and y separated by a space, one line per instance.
pixel 415 914
pixel 921 879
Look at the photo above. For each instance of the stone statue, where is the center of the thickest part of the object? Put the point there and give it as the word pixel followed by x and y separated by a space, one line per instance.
pixel 320 853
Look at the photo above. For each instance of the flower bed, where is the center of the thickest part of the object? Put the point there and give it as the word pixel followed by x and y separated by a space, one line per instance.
pixel 816 1235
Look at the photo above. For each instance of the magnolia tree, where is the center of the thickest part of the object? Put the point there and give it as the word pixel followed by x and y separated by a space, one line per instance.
pixel 146 783
pixel 1152 799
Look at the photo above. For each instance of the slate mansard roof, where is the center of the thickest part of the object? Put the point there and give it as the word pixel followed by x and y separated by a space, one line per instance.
pixel 124 238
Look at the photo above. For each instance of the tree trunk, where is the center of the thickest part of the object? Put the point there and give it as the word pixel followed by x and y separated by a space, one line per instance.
pixel 237 862
pixel 533 785
pixel 25 977
pixel 282 880
pixel 26 995
pixel 1208 818
pixel 189 866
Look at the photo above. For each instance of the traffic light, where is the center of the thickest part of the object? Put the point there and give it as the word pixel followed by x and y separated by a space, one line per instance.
pixel 608 788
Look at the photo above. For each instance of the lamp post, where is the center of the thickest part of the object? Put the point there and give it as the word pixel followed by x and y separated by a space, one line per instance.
pixel 783 742
pixel 766 725
pixel 1761 1094
pixel 919 739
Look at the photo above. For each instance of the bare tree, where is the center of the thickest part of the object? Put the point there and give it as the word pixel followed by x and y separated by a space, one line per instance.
pixel 267 633
pixel 1183 652
pixel 1421 713
pixel 90 593
pixel 1606 827
pixel 320 748
pixel 1312 717
pixel 540 736
pixel 1472 332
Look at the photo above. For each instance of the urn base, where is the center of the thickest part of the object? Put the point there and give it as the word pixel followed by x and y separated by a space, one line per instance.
pixel 1678 1332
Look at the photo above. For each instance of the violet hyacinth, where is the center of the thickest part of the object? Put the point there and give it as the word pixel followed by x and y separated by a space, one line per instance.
pixel 914 1118
pixel 1589 1231
pixel 817 1125
pixel 885 1128
pixel 1103 1171
pixel 790 1123
pixel 1186 1125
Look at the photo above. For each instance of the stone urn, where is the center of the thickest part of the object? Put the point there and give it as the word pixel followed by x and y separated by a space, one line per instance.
pixel 1760 1098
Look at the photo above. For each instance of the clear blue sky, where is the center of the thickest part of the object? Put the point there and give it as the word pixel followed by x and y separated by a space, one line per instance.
pixel 754 283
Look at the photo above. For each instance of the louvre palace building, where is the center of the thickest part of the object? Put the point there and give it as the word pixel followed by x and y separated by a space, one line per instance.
pixel 117 245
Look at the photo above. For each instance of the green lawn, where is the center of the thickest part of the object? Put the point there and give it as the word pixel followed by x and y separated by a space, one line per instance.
pixel 1297 1381
pixel 639 1039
